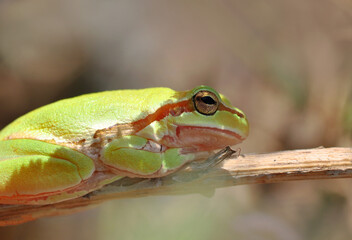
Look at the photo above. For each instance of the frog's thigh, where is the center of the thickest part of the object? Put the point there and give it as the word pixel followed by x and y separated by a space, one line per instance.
pixel 31 167
pixel 127 154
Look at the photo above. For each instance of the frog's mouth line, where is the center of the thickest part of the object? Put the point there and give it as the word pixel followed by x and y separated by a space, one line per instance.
pixel 206 139
pixel 209 130
pixel 193 139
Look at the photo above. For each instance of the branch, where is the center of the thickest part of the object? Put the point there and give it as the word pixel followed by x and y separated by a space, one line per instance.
pixel 318 163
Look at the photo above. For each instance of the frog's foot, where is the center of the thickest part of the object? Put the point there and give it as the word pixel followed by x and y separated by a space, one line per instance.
pixel 198 169
pixel 213 160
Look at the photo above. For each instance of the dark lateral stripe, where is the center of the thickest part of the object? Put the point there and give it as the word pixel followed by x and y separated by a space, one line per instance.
pixel 172 108
pixel 222 107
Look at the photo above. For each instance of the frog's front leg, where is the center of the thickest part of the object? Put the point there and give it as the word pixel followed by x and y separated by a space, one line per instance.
pixel 136 156
pixel 37 172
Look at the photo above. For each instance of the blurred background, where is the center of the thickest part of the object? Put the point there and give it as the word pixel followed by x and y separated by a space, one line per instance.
pixel 286 64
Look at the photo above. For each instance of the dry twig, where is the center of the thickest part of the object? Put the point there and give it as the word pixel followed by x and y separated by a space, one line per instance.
pixel 319 163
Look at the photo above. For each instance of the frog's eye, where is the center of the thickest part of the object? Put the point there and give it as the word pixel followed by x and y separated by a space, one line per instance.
pixel 206 102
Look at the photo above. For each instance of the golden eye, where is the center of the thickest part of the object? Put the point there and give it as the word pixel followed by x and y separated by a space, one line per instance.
pixel 206 102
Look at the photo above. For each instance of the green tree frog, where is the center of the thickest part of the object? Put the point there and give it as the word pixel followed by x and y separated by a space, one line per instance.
pixel 74 146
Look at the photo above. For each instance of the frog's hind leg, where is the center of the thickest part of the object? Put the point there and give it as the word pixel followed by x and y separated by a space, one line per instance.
pixel 32 171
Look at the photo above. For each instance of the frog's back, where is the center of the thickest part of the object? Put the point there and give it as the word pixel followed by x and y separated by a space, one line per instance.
pixel 70 119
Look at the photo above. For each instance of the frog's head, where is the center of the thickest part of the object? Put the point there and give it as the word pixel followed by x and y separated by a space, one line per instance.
pixel 203 120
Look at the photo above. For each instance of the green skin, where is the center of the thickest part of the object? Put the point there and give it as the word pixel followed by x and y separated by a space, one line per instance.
pixel 74 146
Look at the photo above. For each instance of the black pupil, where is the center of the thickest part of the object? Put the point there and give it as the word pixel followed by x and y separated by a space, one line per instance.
pixel 208 100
